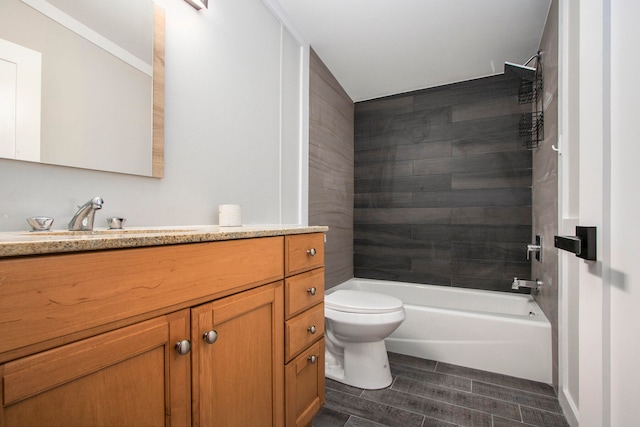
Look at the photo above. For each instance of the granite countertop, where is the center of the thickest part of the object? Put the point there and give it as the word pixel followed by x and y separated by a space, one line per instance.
pixel 17 243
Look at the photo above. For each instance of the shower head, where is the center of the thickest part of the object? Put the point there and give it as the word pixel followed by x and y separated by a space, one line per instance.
pixel 523 71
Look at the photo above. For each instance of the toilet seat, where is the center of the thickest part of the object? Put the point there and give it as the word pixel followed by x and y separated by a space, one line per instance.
pixel 362 302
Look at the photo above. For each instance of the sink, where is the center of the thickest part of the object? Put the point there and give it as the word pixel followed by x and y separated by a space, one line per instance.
pixel 110 232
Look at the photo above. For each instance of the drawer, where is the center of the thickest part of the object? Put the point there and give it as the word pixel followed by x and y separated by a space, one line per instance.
pixel 303 329
pixel 304 386
pixel 303 252
pixel 303 291
pixel 46 297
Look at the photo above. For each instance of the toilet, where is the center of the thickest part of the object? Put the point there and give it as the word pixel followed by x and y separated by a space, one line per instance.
pixel 356 324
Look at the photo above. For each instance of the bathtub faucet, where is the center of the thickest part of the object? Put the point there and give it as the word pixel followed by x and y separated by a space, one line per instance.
pixel 519 283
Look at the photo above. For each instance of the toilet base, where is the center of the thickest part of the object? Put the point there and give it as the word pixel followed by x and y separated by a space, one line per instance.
pixel 364 365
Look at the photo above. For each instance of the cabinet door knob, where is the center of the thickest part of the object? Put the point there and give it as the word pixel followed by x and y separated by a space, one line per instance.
pixel 312 329
pixel 313 359
pixel 312 291
pixel 210 337
pixel 311 252
pixel 183 347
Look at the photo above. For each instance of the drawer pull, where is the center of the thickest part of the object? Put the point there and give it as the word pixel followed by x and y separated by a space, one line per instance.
pixel 312 291
pixel 183 347
pixel 312 329
pixel 313 359
pixel 311 252
pixel 210 337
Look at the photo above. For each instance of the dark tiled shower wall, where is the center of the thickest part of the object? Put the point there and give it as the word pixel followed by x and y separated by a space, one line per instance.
pixel 443 186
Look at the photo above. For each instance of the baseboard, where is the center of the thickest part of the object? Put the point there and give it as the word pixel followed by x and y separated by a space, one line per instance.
pixel 569 408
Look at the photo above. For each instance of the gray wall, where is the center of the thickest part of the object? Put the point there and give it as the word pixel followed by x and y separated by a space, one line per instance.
pixel 545 183
pixel 443 186
pixel 331 168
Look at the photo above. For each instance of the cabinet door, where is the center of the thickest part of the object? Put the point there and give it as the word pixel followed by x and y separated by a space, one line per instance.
pixel 238 373
pixel 123 377
pixel 305 385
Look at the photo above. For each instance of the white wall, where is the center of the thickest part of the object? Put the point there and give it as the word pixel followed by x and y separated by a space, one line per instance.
pixel 225 136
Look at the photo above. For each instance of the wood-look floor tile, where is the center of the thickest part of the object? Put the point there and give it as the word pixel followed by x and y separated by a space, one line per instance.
pixel 380 412
pixel 414 362
pixel 432 422
pixel 542 418
pixel 437 378
pixel 328 417
pixel 429 407
pixel 460 398
pixel 335 385
pixel 361 422
pixel 498 379
pixel 517 396
pixel 501 422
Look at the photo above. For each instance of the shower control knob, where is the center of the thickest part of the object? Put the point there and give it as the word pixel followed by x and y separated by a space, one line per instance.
pixel 312 329
pixel 210 337
pixel 313 359
pixel 312 291
pixel 311 252
pixel 183 347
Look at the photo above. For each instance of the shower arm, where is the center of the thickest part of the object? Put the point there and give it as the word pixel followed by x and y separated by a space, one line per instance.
pixel 536 56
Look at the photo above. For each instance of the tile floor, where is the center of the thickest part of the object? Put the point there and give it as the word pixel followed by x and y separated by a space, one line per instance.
pixel 425 393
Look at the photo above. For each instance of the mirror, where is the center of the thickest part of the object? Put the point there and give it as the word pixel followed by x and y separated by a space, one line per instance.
pixel 82 84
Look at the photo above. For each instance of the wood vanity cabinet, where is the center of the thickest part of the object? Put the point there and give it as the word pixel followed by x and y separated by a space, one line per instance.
pixel 95 338
pixel 304 328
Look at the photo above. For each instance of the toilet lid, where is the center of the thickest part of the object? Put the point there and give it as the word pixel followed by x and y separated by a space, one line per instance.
pixel 361 302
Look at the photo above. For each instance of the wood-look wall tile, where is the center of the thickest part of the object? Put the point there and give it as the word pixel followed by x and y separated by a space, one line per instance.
pixel 402 216
pixel 493 107
pixel 491 216
pixel 474 214
pixel 491 233
pixel 384 170
pixel 383 107
pixel 499 251
pixel 490 268
pixel 388 262
pixel 420 150
pixel 510 161
pixel 431 266
pixel 520 178
pixel 436 250
pixel 369 234
pixel 433 182
pixel 331 142
pixel 403 276
pixel 480 144
pixel 484 283
pixel 421 120
pixel 383 200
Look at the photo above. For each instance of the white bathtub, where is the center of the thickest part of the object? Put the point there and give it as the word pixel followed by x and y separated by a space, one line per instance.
pixel 493 331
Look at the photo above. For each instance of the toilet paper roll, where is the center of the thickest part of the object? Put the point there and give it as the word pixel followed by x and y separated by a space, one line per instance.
pixel 230 215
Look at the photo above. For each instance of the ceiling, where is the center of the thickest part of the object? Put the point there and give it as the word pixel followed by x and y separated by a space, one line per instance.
pixel 377 48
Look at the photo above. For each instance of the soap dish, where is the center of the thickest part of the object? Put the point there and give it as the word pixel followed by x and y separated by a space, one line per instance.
pixel 40 223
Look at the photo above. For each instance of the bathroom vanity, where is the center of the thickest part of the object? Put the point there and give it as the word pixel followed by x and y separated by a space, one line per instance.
pixel 201 327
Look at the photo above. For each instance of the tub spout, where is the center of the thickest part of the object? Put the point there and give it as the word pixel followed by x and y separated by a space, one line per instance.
pixel 519 284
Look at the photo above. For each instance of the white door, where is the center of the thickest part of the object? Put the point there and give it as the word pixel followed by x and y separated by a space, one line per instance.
pixel 599 187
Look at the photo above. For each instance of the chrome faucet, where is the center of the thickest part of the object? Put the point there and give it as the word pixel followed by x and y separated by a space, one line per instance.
pixel 83 219
pixel 519 283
